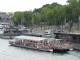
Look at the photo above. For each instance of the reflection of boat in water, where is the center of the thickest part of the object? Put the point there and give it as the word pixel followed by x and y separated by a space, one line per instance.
pixel 39 43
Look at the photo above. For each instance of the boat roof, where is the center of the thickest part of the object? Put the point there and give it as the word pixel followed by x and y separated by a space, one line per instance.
pixel 30 38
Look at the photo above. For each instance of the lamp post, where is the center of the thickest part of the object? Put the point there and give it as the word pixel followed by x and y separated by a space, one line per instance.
pixel 79 22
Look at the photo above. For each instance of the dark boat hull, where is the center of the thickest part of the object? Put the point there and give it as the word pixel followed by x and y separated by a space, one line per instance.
pixel 60 50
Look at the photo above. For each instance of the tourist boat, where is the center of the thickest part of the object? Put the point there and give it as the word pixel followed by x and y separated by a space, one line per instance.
pixel 39 43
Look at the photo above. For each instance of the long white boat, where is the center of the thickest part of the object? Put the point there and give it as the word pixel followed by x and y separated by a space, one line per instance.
pixel 40 43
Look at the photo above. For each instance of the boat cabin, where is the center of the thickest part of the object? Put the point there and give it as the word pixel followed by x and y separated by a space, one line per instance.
pixel 73 38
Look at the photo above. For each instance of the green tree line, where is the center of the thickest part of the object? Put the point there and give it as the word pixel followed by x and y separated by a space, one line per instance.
pixel 50 14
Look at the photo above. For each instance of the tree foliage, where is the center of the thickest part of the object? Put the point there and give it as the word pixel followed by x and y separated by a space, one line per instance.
pixel 51 14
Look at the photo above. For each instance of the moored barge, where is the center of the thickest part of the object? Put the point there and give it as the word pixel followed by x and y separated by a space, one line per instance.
pixel 73 38
pixel 10 33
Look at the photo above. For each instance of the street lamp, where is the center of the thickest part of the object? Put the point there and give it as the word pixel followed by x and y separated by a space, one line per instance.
pixel 79 22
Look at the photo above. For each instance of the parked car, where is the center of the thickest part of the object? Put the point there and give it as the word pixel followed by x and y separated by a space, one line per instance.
pixel 65 31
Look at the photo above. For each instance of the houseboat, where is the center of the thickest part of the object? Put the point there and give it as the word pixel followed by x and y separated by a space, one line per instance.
pixel 40 43
pixel 73 38
pixel 10 33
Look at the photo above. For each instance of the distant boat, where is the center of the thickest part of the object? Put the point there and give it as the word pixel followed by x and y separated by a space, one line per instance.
pixel 49 33
pixel 10 33
pixel 72 37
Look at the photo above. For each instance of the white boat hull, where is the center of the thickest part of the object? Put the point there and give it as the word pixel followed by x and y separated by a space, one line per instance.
pixel 35 48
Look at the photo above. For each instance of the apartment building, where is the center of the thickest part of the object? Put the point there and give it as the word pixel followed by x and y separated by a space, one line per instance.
pixel 5 15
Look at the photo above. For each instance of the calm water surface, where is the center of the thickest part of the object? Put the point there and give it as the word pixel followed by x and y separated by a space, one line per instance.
pixel 8 52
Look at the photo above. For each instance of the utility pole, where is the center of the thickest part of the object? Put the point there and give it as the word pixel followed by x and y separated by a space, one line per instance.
pixel 79 23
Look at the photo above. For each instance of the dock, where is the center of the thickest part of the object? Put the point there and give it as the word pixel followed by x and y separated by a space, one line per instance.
pixel 34 34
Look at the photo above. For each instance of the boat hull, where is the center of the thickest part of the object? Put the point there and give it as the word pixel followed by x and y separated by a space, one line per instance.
pixel 42 49
pixel 34 48
pixel 7 37
pixel 62 49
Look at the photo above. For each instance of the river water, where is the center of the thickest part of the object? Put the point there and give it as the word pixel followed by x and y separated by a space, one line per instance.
pixel 8 52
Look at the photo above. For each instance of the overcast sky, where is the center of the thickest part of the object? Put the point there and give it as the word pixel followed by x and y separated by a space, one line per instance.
pixel 23 5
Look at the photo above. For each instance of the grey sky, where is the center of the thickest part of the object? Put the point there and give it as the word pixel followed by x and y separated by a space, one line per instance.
pixel 23 5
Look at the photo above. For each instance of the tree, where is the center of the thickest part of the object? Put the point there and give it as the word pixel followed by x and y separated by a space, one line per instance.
pixel 17 18
pixel 28 18
pixel 36 18
pixel 73 10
